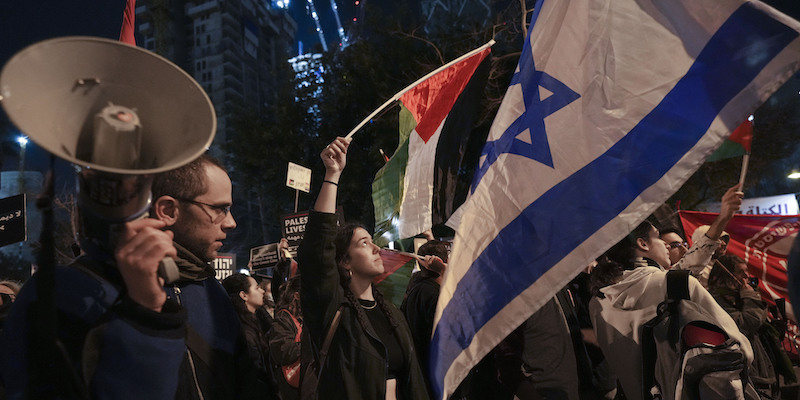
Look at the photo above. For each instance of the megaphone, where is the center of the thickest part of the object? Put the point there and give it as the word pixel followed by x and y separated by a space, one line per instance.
pixel 118 112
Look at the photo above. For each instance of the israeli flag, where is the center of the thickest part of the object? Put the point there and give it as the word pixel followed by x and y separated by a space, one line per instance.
pixel 614 104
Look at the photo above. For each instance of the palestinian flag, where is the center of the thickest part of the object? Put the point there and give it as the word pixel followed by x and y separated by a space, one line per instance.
pixel 420 186
pixel 737 144
pixel 128 26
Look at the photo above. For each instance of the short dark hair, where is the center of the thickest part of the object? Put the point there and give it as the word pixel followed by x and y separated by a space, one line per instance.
pixel 623 252
pixel 187 181
pixel 670 229
pixel 433 248
pixel 606 273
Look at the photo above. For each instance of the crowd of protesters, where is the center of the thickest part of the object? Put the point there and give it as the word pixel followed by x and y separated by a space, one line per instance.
pixel 319 328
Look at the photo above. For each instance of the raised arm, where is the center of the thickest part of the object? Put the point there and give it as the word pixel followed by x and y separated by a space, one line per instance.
pixel 334 157
pixel 731 201
pixel 319 275
pixel 699 255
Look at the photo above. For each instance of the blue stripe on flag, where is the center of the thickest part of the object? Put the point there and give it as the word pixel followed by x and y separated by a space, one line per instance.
pixel 574 209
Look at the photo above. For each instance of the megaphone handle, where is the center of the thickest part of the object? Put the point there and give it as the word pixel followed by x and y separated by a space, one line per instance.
pixel 168 270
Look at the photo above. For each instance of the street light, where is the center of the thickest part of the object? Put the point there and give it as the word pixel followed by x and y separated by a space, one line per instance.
pixel 794 175
pixel 23 141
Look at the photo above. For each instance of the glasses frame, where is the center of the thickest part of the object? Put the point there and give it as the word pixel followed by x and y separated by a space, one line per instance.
pixel 676 244
pixel 224 211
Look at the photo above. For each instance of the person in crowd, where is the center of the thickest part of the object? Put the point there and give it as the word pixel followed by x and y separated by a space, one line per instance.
pixel 246 297
pixel 127 337
pixel 285 269
pixel 10 288
pixel 629 286
pixel 708 241
pixel 730 286
pixel 194 202
pixel 371 355
pixel 537 361
pixel 8 294
pixel 419 304
pixel 269 301
pixel 283 343
pixel 676 243
pixel 265 313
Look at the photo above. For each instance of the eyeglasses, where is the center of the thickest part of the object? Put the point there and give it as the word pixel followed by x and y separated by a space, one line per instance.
pixel 222 211
pixel 675 245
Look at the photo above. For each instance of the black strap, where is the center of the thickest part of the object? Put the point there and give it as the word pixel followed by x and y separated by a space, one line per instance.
pixel 677 289
pixel 199 346
pixel 678 285
pixel 309 381
pixel 323 353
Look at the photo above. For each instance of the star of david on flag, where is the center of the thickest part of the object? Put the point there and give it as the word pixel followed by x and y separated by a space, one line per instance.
pixel 527 136
pixel 613 105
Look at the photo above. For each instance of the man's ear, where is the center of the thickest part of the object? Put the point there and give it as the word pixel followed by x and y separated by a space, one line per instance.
pixel 642 244
pixel 165 208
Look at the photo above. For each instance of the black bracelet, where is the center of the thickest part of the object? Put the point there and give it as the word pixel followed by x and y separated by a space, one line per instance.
pixel 331 182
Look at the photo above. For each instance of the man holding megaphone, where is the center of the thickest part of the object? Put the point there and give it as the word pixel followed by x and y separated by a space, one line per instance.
pixel 106 327
pixel 136 338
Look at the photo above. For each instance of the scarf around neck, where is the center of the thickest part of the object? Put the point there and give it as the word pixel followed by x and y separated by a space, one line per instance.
pixel 192 268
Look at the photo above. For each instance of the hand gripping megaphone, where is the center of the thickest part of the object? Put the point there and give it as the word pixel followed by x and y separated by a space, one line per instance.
pixel 119 113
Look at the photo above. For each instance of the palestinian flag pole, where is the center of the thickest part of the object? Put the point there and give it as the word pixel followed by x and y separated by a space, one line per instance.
pixel 397 96
pixel 419 183
pixel 737 144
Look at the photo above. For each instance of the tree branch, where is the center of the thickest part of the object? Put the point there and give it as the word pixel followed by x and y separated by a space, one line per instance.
pixel 413 35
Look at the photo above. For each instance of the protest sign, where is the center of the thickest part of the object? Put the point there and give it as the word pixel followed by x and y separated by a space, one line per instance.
pixel 264 256
pixel 294 228
pixel 785 204
pixel 12 220
pixel 224 265
pixel 298 177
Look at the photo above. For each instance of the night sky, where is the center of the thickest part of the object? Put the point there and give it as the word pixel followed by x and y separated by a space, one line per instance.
pixel 24 22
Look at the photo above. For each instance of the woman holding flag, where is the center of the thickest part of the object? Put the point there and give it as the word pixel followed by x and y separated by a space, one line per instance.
pixel 370 354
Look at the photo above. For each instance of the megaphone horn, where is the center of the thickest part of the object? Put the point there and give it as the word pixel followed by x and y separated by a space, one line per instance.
pixel 119 112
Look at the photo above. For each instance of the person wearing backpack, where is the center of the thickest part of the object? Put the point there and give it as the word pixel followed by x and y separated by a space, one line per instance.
pixel 729 284
pixel 629 286
pixel 284 340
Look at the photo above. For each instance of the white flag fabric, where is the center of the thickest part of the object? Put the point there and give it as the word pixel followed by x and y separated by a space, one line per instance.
pixel 614 104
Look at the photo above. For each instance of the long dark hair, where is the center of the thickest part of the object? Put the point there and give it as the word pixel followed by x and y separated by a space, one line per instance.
pixel 343 237
pixel 287 300
pixel 234 284
pixel 720 278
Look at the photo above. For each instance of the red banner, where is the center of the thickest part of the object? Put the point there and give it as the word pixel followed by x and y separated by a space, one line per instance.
pixel 763 241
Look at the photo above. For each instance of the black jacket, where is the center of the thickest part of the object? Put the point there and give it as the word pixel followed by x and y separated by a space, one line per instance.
pixel 284 351
pixel 356 366
pixel 419 307
pixel 216 360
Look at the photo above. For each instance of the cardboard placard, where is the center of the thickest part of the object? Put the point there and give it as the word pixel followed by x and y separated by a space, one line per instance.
pixel 264 256
pixel 12 220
